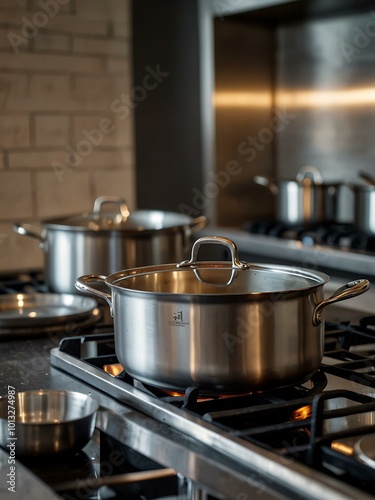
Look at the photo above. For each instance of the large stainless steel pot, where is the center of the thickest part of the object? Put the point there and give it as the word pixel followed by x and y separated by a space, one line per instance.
pixel 102 241
pixel 223 326
pixel 306 199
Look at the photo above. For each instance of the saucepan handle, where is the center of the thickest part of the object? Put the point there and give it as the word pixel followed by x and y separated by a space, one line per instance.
pixel 310 172
pixel 83 286
pixel 351 289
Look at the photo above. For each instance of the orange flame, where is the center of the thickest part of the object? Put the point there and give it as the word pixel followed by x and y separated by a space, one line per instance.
pixel 302 413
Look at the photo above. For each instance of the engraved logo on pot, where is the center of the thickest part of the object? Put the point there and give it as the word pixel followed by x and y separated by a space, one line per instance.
pixel 178 319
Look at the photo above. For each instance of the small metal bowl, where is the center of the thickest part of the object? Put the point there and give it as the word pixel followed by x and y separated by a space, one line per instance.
pixel 45 422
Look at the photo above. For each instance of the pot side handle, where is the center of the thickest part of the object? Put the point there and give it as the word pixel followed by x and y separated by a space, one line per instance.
pixel 266 182
pixel 29 230
pixel 199 223
pixel 82 285
pixel 351 289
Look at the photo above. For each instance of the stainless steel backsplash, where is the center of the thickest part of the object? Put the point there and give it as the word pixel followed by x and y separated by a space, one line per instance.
pixel 326 77
pixel 314 75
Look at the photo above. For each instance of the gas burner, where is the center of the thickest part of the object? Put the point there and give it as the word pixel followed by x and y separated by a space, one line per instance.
pixel 199 401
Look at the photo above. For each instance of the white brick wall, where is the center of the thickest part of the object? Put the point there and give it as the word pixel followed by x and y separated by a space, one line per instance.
pixel 58 78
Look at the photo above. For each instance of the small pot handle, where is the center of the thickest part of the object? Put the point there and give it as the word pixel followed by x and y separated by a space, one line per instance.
pixel 193 263
pixel 30 230
pixel 199 223
pixel 266 182
pixel 214 240
pixel 351 289
pixel 367 178
pixel 310 172
pixel 116 200
pixel 82 285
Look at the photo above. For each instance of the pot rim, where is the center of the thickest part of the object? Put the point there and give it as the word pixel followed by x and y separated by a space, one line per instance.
pixel 90 226
pixel 118 279
pixel 88 406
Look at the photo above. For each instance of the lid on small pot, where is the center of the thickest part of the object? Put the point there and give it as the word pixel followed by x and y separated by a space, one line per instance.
pixel 213 278
pixel 122 220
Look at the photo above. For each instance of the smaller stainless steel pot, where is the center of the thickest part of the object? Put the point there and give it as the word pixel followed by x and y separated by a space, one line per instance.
pixel 46 422
pixel 364 203
pixel 222 326
pixel 305 200
pixel 364 208
pixel 103 241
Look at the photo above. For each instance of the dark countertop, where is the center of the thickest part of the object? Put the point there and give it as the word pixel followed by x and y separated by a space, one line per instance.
pixel 25 365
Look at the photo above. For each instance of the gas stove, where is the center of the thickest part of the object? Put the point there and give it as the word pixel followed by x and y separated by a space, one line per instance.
pixel 312 440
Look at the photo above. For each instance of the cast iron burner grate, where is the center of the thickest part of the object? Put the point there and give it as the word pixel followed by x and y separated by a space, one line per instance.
pixel 195 401
pixel 343 236
pixel 25 282
pixel 353 349
pixel 302 430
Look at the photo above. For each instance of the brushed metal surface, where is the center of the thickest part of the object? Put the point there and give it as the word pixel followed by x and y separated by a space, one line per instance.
pixel 71 254
pixel 325 76
pixel 219 346
pixel 243 67
pixel 313 61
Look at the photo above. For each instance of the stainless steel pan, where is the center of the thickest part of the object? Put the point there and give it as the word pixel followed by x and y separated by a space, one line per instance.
pixel 40 309
pixel 223 326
